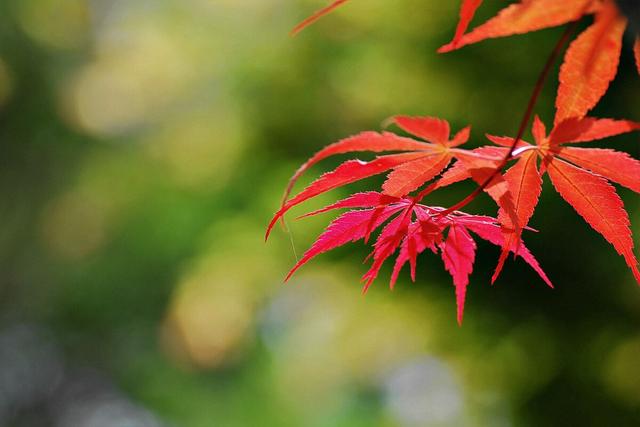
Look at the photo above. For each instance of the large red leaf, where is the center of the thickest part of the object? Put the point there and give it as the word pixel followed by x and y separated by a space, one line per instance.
pixel 589 129
pixel 458 255
pixel 365 141
pixel 412 175
pixel 348 172
pixel 348 227
pixel 590 65
pixel 597 202
pixel 317 15
pixel 523 17
pixel 613 165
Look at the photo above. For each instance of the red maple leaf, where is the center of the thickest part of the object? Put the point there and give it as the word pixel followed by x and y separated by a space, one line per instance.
pixel 417 163
pixel 410 229
pixel 580 175
pixel 590 63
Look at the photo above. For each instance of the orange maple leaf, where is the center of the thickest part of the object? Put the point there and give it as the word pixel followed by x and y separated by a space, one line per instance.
pixel 591 62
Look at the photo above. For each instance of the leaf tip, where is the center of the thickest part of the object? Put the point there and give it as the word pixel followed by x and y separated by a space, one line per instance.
pixel 503 257
pixel 270 227
pixel 446 48
pixel 461 295
pixel 636 274
pixel 366 287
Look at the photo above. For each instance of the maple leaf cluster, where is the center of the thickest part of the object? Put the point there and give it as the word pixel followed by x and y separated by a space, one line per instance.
pixel 511 171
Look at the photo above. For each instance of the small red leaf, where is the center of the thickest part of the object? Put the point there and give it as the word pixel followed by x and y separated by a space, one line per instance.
pixel 598 203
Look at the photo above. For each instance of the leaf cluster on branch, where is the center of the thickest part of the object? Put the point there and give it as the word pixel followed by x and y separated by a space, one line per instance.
pixel 510 171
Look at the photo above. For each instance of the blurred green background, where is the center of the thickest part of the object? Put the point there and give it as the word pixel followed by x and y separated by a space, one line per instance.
pixel 145 145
